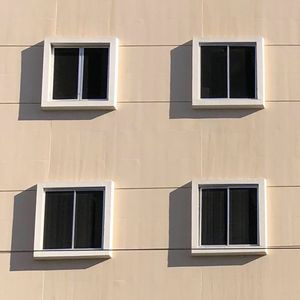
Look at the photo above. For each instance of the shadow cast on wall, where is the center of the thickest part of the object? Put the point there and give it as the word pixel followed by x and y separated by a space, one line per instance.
pixel 181 90
pixel 179 253
pixel 31 91
pixel 22 243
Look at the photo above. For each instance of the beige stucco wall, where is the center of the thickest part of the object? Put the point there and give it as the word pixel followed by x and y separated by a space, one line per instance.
pixel 152 146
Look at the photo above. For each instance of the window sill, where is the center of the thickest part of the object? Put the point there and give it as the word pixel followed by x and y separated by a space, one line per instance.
pixel 218 103
pixel 78 104
pixel 205 251
pixel 67 254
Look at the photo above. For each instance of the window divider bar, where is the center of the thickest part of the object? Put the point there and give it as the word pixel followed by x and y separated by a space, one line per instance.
pixel 228 72
pixel 80 73
pixel 228 207
pixel 73 223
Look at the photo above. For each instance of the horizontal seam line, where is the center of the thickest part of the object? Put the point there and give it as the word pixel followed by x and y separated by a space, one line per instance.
pixel 157 101
pixel 155 45
pixel 121 45
pixel 153 188
pixel 116 188
pixel 282 45
pixel 140 45
pixel 283 101
pixel 283 186
pixel 289 247
pixel 149 101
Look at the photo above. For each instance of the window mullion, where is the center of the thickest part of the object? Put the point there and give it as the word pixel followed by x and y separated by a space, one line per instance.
pixel 73 226
pixel 228 73
pixel 228 215
pixel 80 73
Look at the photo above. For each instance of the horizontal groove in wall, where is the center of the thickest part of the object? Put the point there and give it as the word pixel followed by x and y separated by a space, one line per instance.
pixel 149 102
pixel 283 247
pixel 187 44
pixel 282 101
pixel 145 188
pixel 119 102
pixel 120 45
pixel 282 45
pixel 154 101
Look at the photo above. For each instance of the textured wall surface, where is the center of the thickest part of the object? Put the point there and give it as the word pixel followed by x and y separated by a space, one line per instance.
pixel 152 146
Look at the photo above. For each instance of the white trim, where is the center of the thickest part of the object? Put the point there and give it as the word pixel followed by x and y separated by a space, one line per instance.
pixel 198 249
pixel 71 254
pixel 48 64
pixel 228 251
pixel 104 252
pixel 212 103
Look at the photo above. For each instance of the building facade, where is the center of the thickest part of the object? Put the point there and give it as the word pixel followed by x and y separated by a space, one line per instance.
pixel 152 147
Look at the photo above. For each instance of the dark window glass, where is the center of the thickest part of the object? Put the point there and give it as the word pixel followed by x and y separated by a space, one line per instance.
pixel 214 217
pixel 95 73
pixel 58 220
pixel 243 216
pixel 89 219
pixel 213 72
pixel 65 78
pixel 242 71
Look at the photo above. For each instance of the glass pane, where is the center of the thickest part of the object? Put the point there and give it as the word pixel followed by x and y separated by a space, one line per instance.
pixel 214 217
pixel 89 219
pixel 58 220
pixel 243 216
pixel 95 73
pixel 242 72
pixel 213 72
pixel 65 78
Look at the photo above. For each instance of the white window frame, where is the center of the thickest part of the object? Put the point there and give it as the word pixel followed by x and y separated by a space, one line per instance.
pixel 259 249
pixel 216 103
pixel 104 252
pixel 48 64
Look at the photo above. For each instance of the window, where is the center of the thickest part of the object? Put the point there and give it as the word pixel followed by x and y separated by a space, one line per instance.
pixel 228 217
pixel 73 220
pixel 80 74
pixel 228 74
